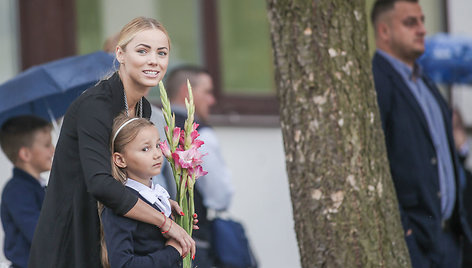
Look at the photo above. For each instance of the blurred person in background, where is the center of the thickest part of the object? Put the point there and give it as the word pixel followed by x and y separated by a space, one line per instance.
pixel 26 141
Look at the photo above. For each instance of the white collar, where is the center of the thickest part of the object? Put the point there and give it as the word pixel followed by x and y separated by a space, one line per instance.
pixel 156 195
pixel 43 182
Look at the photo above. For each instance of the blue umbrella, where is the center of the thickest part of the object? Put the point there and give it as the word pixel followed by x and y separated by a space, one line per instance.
pixel 48 89
pixel 448 59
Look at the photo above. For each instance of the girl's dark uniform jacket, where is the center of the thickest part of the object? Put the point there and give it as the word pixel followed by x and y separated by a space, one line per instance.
pixel 67 234
pixel 135 244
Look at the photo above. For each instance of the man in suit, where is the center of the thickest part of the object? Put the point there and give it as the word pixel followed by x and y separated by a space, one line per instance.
pixel 417 125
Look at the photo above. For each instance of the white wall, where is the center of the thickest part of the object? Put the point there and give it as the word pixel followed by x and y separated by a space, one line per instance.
pixel 9 39
pixel 459 16
pixel 459 24
pixel 9 65
pixel 5 174
pixel 262 200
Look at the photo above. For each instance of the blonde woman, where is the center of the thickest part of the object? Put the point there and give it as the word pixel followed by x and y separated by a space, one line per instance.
pixel 67 234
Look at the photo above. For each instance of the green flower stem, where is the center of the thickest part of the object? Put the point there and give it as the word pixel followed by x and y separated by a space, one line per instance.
pixel 166 106
pixel 185 186
pixel 186 216
pixel 187 262
pixel 190 117
pixel 191 209
pixel 176 172
pixel 182 190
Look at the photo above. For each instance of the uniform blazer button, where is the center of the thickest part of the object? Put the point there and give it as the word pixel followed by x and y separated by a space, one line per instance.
pixel 434 161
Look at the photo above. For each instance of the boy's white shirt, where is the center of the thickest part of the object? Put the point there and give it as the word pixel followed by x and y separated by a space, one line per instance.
pixel 43 182
pixel 156 195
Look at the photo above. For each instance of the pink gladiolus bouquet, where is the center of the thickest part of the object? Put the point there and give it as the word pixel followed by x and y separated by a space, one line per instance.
pixel 181 150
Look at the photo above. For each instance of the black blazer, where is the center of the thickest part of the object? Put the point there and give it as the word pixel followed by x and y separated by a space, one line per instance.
pixel 134 244
pixel 412 157
pixel 68 230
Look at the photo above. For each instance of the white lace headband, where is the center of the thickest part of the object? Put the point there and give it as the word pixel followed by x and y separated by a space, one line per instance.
pixel 121 127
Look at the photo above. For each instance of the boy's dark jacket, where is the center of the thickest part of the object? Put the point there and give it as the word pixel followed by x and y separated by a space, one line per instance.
pixel 22 199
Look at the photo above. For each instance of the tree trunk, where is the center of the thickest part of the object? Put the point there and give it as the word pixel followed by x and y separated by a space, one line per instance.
pixel 345 207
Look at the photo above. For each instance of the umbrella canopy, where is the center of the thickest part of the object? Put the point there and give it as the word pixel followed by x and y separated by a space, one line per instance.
pixel 448 59
pixel 47 90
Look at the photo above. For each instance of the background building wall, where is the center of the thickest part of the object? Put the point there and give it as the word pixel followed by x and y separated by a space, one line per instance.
pixel 254 155
pixel 9 46
pixel 461 95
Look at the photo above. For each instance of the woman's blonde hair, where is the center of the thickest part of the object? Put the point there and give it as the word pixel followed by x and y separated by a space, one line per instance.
pixel 126 134
pixel 129 31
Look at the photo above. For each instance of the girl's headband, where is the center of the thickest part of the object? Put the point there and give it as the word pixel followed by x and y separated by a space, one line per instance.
pixel 122 126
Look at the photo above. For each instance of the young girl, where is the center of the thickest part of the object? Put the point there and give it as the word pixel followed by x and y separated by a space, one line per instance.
pixel 136 157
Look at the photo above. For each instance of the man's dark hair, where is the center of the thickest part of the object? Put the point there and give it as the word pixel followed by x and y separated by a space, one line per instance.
pixel 179 75
pixel 19 132
pixel 382 6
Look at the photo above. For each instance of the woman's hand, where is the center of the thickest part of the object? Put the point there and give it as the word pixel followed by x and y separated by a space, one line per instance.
pixel 176 209
pixel 145 213
pixel 175 244
pixel 174 231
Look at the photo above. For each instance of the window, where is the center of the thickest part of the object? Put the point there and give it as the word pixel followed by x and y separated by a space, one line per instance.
pixel 230 38
pixel 237 53
pixel 9 41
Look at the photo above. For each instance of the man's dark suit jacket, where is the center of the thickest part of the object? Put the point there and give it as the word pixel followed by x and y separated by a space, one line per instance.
pixel 413 162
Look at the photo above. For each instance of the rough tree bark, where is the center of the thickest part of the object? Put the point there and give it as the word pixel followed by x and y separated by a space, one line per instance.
pixel 344 201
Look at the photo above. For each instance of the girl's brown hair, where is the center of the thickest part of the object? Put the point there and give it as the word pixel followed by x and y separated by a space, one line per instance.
pixel 117 144
pixel 127 134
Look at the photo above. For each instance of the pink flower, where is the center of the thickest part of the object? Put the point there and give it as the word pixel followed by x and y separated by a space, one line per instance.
pixel 196 144
pixel 165 149
pixel 182 137
pixel 194 135
pixel 190 141
pixel 198 171
pixel 188 158
pixel 176 135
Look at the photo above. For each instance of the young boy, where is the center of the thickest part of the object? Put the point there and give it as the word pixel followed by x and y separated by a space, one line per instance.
pixel 26 141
